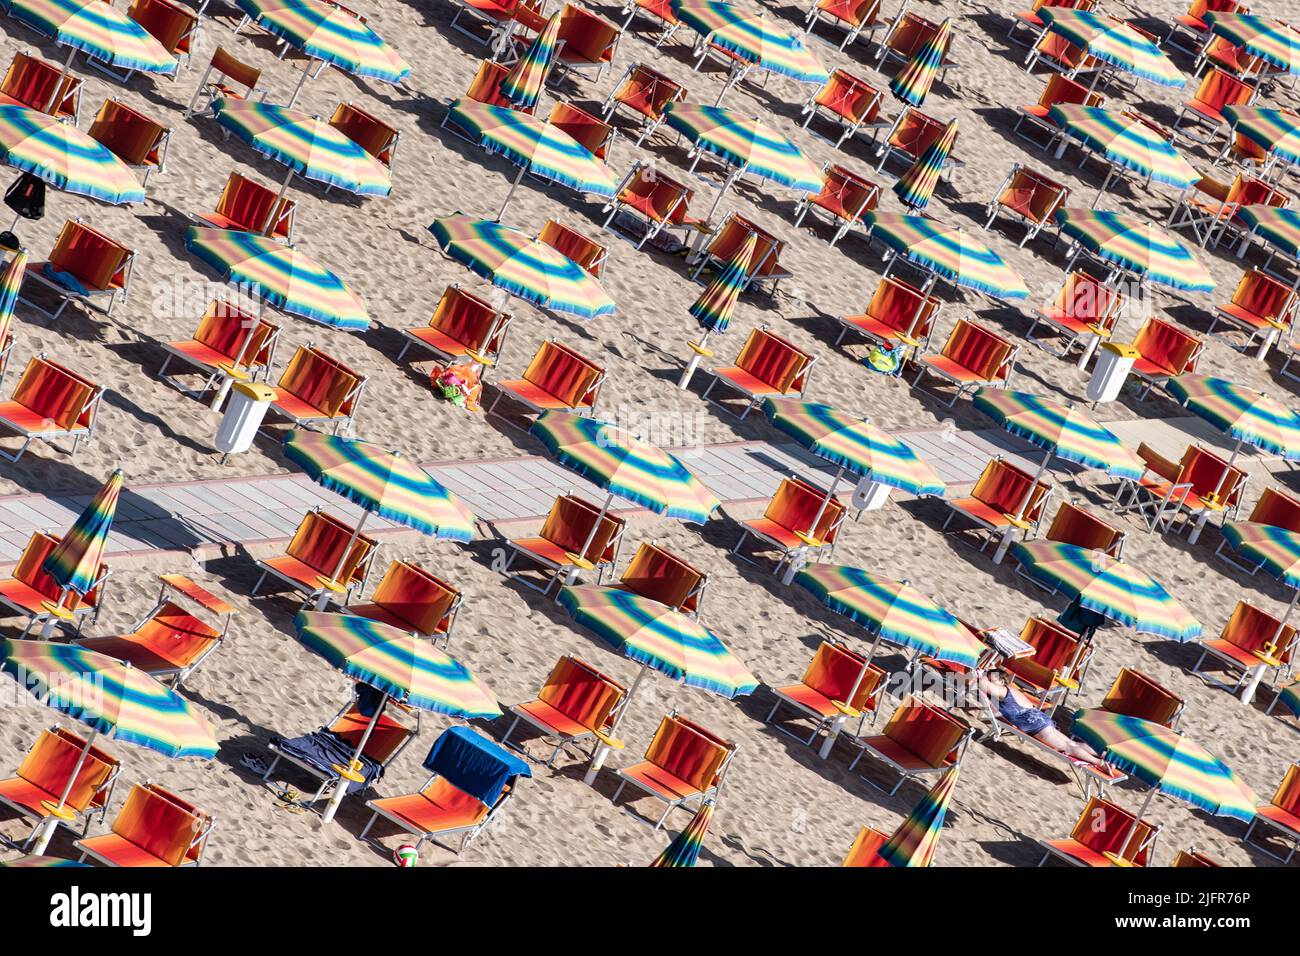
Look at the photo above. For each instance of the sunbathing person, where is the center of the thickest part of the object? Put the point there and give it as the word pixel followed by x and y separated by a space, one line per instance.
pixel 1020 712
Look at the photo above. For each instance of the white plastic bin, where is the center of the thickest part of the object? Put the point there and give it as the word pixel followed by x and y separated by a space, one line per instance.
pixel 1114 362
pixel 244 413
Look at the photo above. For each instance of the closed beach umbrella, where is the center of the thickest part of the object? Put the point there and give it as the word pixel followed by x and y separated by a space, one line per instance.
pixel 685 848
pixel 916 186
pixel 913 82
pixel 952 252
pixel 64 156
pixel 1290 699
pixel 1126 142
pixel 523 84
pixel 915 840
pixel 1271 40
pixel 716 303
pixel 1135 245
pixel 74 562
pixel 96 29
pixel 1114 43
pixel 11 281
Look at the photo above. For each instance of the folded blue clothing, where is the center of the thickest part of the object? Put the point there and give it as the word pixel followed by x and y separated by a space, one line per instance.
pixel 474 764
pixel 324 748
pixel 65 279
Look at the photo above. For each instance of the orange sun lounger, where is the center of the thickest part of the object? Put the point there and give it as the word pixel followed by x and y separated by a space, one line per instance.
pixel 767 366
pixel 556 378
pixel 558 546
pixel 973 356
pixel 1029 196
pixel 1164 351
pixel 576 703
pixel 646 93
pixel 415 600
pixel 155 827
pixel 919 738
pixel 898 314
pixel 1249 633
pixel 683 763
pixel 244 204
pixel 43 775
pixel 223 339
pixel 588 42
pixel 845 197
pixel 373 135
pixel 1005 498
pixel 865 851
pixel 313 553
pixel 50 402
pixel 1191 858
pixel 31 587
pixel 907 33
pixel 1076 525
pixel 660 11
pixel 1104 830
pixel 316 389
pixel 1085 307
pixel 169 642
pixel 662 576
pixel 1134 694
pixel 175 27
pixel 589 254
pixel 787 523
pixel 84 264
pixel 235 80
pixel 852 103
pixel 30 81
pixel 1058 665
pixel 764 266
pixel 132 137
pixel 654 196
pixel 1205 108
pixel 1261 306
pixel 461 323
pixel 854 17
pixel 1192 490
pixel 823 692
pixel 1187 31
pixel 1060 90
pixel 586 129
pixel 1282 814
pixel 911 134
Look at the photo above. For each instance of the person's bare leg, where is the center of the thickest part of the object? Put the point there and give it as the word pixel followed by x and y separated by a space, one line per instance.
pixel 1054 738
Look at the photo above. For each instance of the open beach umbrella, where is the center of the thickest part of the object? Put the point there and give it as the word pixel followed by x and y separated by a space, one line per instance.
pixel 913 82
pixel 287 278
pixel 1134 245
pixel 747 145
pixel 952 252
pixel 98 30
pixel 1290 699
pixel 685 848
pixel 329 34
pixel 1280 228
pixel 916 186
pixel 658 638
pixel 33 862
pixel 915 840
pixel 716 303
pixel 1243 414
pixel 1274 130
pixel 381 482
pixel 522 266
pixel 1167 762
pixel 1124 141
pixel 1270 40
pixel 74 562
pixel 523 84
pixel 64 156
pixel 401 666
pixel 1114 43
pixel 113 699
pixel 1107 586
pixel 535 146
pixel 1277 550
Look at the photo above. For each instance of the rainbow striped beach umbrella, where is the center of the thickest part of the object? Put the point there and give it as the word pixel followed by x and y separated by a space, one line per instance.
pixel 1290 699
pixel 716 303
pixel 523 84
pixel 915 840
pixel 624 465
pixel 1275 549
pixel 1062 430
pixel 685 848
pixel 522 266
pixel 754 37
pixel 1167 761
pixel 1114 43
pixel 64 156
pixel 1134 245
pixel 1108 587
pixel 915 187
pixel 288 279
pixel 1270 40
pixel 535 146
pixel 952 252
pixel 1124 141
pixel 74 562
pixel 39 862
pixel 11 281
pixel 913 82
pixel 1244 414
pixel 893 611
pixel 1280 228
pixel 1274 130
pixel 97 30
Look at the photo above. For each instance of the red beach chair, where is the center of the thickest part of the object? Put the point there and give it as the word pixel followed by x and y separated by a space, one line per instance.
pixel 1205 108
pixel 1188 30
pixel 413 599
pixel 683 763
pixel 576 703
pixel 919 738
pixel 172 25
pixel 661 11
pixel 1190 857
pixel 1249 636
pixel 373 135
pixel 1084 307
pixel 573 245
pixel 30 81
pixel 910 136
pixel 31 587
pixel 1281 813
pixel 235 80
pixel 223 339
pixel 865 851
pixel 845 197
pixel 661 576
pixel 659 199
pixel 1029 196
pixel 155 827
pixel 1104 831
pixel 1134 694
pixel 973 356
pixel 313 553
pixel 850 102
pixel 43 775
pixel 1167 489
pixel 899 313
pixel 767 366
pixel 1077 526
pixel 1060 90
pixel 587 130
pixel 1000 493
pixel 588 42
pixel 907 33
pixel 558 546
pixel 646 93
pixel 765 264
pixel 245 204
pixel 83 265
pixel 787 523
pixel 556 378
pixel 461 323
pixel 50 402
pixel 132 137
pixel 1058 666
pixel 1260 306
pixel 1164 351
pixel 853 16
pixel 316 389
pixel 822 694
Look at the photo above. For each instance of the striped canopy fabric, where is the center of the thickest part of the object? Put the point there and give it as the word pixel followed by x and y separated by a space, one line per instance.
pixel 1136 246
pixel 64 156
pixel 288 279
pixel 1275 549
pixel 624 465
pixel 11 280
pixel 325 32
pixel 1108 587
pixel 685 848
pixel 915 840
pixel 854 444
pixel 1113 42
pixel 306 144
pixel 97 30
pixel 756 37
pixel 1242 413
pixel 534 144
pixel 1167 761
pixel 109 696
pixel 892 610
pixel 39 862
pixel 1270 40
pixel 1290 699
pixel 1065 431
pixel 74 562
pixel 523 84
pixel 718 300
pixel 522 266
pixel 913 82
pixel 1273 130
pixel 916 187
pixel 657 637
pixel 744 142
pixel 1280 228
pixel 950 251
pixel 407 668
pixel 380 481
pixel 1126 141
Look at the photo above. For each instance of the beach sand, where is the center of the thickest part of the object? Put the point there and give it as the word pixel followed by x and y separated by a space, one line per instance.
pixel 781 805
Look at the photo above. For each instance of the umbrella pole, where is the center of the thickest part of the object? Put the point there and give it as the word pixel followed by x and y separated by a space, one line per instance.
pixel 333 585
pixel 302 81
pixel 58 810
pixel 698 349
pixel 1020 512
pixel 731 178
pixel 591 536
pixel 792 568
pixel 1257 673
pixel 67 68
pixel 509 195
pixel 838 724
pixel 232 371
pixel 1110 175
pixel 57 612
pixel 269 225
pixel 603 749
pixel 1137 820
pixel 734 76
pixel 352 772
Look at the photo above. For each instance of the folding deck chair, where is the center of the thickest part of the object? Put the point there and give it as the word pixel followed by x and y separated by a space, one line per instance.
pixel 655 197
pixel 577 703
pixel 43 776
pixel 1005 499
pixel 462 322
pixel 1104 833
pixel 823 694
pixel 1190 491
pixel 155 827
pixel 412 599
pixel 1164 351
pixel 787 524
pixel 1205 108
pixel 83 265
pixel 764 267
pixel 373 135
pixel 972 357
pixel 227 338
pixel 854 17
pixel 1060 90
pixel 1261 306
pixel 1210 208
pixel 918 739
pixel 31 588
pixel 1134 694
pixel 1281 814
pixel 662 576
pixel 312 555
pixel 851 103
pixel 558 545
pixel 1251 637
pixel 316 389
pixel 50 402
pixel 845 197
pixel 245 205
pixel 683 763
pixel 556 378
pixel 1029 196
pixel 235 80
pixel 30 81
pixel 898 314
pixel 646 93
pixel 767 366
pixel 1085 310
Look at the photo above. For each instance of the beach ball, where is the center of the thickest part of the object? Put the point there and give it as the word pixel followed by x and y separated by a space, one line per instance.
pixel 406 855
